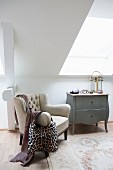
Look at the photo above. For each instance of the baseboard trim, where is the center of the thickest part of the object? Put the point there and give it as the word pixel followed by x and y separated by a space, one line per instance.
pixel 101 122
pixel 3 129
pixel 9 130
pixel 16 128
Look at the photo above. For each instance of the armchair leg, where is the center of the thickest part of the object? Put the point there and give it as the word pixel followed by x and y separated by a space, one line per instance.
pixel 65 134
pixel 21 138
pixel 46 154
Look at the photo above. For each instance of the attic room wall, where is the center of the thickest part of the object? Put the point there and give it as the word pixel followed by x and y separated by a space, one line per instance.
pixel 44 31
pixel 56 87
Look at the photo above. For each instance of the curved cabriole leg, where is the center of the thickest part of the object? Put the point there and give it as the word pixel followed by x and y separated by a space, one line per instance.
pixel 106 126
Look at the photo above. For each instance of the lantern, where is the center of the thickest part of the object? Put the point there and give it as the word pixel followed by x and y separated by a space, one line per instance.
pixel 96 79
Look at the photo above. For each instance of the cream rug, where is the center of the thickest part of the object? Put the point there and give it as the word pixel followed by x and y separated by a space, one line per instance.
pixel 84 152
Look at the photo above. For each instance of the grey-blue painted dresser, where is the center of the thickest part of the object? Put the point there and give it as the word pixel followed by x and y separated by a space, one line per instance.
pixel 88 109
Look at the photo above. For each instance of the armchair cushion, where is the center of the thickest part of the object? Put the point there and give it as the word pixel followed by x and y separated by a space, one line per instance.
pixel 61 123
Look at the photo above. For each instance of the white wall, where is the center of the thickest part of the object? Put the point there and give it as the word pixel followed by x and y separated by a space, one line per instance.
pixel 56 87
pixel 88 65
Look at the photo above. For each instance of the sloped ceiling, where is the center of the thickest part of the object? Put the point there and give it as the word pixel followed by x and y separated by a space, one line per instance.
pixel 44 32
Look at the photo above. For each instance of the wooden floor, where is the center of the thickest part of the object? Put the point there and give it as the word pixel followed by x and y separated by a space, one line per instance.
pixel 9 147
pixel 82 128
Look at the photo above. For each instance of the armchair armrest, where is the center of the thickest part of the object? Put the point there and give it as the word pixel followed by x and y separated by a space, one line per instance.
pixel 54 110
pixel 57 110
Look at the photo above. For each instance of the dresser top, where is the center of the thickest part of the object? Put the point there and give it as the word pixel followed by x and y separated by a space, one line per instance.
pixel 88 94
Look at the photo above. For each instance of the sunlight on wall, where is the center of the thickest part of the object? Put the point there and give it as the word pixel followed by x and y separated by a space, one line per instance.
pixel 1 68
pixel 86 65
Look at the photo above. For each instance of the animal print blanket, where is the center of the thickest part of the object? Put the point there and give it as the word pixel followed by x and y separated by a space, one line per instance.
pixel 36 138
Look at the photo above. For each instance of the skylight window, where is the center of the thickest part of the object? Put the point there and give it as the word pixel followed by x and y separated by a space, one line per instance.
pixel 92 49
pixel 94 39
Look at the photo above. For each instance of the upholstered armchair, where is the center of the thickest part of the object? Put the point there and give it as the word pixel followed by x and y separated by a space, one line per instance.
pixel 40 102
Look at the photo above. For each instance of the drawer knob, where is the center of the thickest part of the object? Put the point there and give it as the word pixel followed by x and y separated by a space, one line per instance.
pixel 91 115
pixel 91 102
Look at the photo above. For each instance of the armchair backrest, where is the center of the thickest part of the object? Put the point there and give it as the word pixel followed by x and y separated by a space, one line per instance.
pixel 34 102
pixel 20 107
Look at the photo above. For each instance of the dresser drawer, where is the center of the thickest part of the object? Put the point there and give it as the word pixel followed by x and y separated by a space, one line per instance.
pixel 91 116
pixel 89 102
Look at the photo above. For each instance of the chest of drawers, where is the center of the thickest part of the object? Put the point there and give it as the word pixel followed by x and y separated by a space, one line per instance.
pixel 88 109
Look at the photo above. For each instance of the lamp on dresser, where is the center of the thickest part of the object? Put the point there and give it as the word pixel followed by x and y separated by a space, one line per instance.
pixel 96 79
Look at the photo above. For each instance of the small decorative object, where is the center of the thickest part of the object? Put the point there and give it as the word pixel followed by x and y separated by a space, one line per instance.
pixel 76 91
pixel 96 79
pixel 84 91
